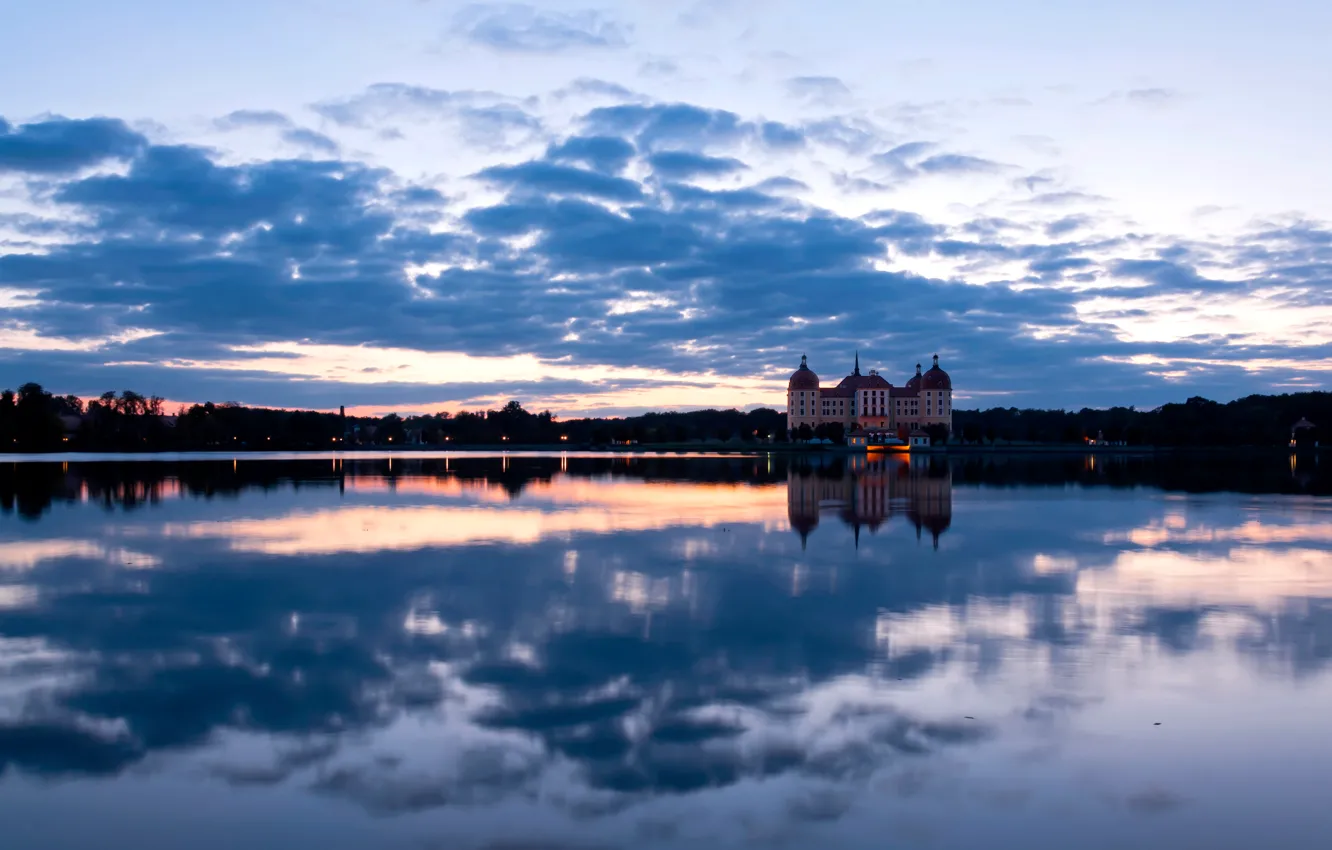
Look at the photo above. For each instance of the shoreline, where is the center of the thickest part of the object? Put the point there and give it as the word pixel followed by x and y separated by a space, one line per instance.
pixel 370 452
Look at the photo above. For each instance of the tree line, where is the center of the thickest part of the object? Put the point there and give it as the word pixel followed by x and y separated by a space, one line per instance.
pixel 1256 420
pixel 34 420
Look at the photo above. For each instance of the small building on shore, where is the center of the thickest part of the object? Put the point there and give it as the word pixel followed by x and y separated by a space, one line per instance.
pixel 1303 435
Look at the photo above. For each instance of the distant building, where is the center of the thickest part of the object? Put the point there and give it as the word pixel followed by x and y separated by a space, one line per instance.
pixel 869 402
pixel 69 426
pixel 1302 434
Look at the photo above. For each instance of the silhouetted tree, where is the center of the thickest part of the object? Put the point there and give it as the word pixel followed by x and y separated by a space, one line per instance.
pixel 37 424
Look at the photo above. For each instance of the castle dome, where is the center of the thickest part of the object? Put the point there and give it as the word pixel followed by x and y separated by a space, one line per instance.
pixel 804 377
pixel 936 378
pixel 914 383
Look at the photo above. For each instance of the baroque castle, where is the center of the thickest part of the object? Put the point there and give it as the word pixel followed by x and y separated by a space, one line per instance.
pixel 869 402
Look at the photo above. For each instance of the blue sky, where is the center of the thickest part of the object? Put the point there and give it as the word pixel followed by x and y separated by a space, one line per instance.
pixel 416 205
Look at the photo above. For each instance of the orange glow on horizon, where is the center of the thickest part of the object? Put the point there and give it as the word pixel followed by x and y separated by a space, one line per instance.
pixel 349 366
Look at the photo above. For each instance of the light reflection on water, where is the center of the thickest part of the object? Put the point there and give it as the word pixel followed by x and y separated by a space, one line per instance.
pixel 665 652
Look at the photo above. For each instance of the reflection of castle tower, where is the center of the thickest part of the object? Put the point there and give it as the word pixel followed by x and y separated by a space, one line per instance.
pixel 931 496
pixel 802 508
pixel 868 492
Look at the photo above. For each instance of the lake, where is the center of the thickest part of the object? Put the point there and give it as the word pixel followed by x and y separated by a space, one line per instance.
pixel 605 651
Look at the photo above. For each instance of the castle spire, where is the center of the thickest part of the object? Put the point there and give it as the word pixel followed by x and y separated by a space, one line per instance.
pixel 857 372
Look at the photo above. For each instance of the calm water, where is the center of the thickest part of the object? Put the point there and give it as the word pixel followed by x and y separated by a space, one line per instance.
pixel 597 652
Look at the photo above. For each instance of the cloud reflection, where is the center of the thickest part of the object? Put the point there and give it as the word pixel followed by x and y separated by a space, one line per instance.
pixel 559 509
pixel 25 555
pixel 651 635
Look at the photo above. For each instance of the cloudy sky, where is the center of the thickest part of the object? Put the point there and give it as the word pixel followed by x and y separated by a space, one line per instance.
pixel 418 204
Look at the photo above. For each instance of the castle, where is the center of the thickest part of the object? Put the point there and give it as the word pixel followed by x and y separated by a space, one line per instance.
pixel 870 403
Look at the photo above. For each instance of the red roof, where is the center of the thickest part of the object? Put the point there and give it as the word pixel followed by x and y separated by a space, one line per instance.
pixel 804 378
pixel 864 382
pixel 936 378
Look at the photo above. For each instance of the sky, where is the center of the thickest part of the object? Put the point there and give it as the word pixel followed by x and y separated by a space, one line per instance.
pixel 418 205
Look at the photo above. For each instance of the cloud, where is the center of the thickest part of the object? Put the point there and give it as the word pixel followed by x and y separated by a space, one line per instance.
pixel 658 67
pixel 519 28
pixel 682 165
pixel 670 125
pixel 682 126
pixel 723 199
pixel 1154 801
pixel 291 134
pixel 181 188
pixel 382 101
pixel 57 146
pixel 545 177
pixel 310 139
pixel 1068 224
pixel 823 89
pixel 181 270
pixel 485 119
pixel 499 125
pixel 1069 198
pixel 482 775
pixel 782 184
pixel 901 159
pixel 596 88
pixel 253 118
pixel 777 135
pixel 1151 96
pixel 851 134
pixel 822 805
pixel 957 164
pixel 60 749
pixel 609 154
pixel 702 13
pixel 1168 276
pixel 913 159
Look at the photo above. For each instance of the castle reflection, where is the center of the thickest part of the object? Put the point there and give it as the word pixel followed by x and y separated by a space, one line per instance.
pixel 868 491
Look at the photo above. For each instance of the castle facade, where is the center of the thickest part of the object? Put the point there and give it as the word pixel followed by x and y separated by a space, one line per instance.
pixel 869 402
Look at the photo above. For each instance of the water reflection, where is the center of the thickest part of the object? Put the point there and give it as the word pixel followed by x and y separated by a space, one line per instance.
pixel 868 491
pixel 664 652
